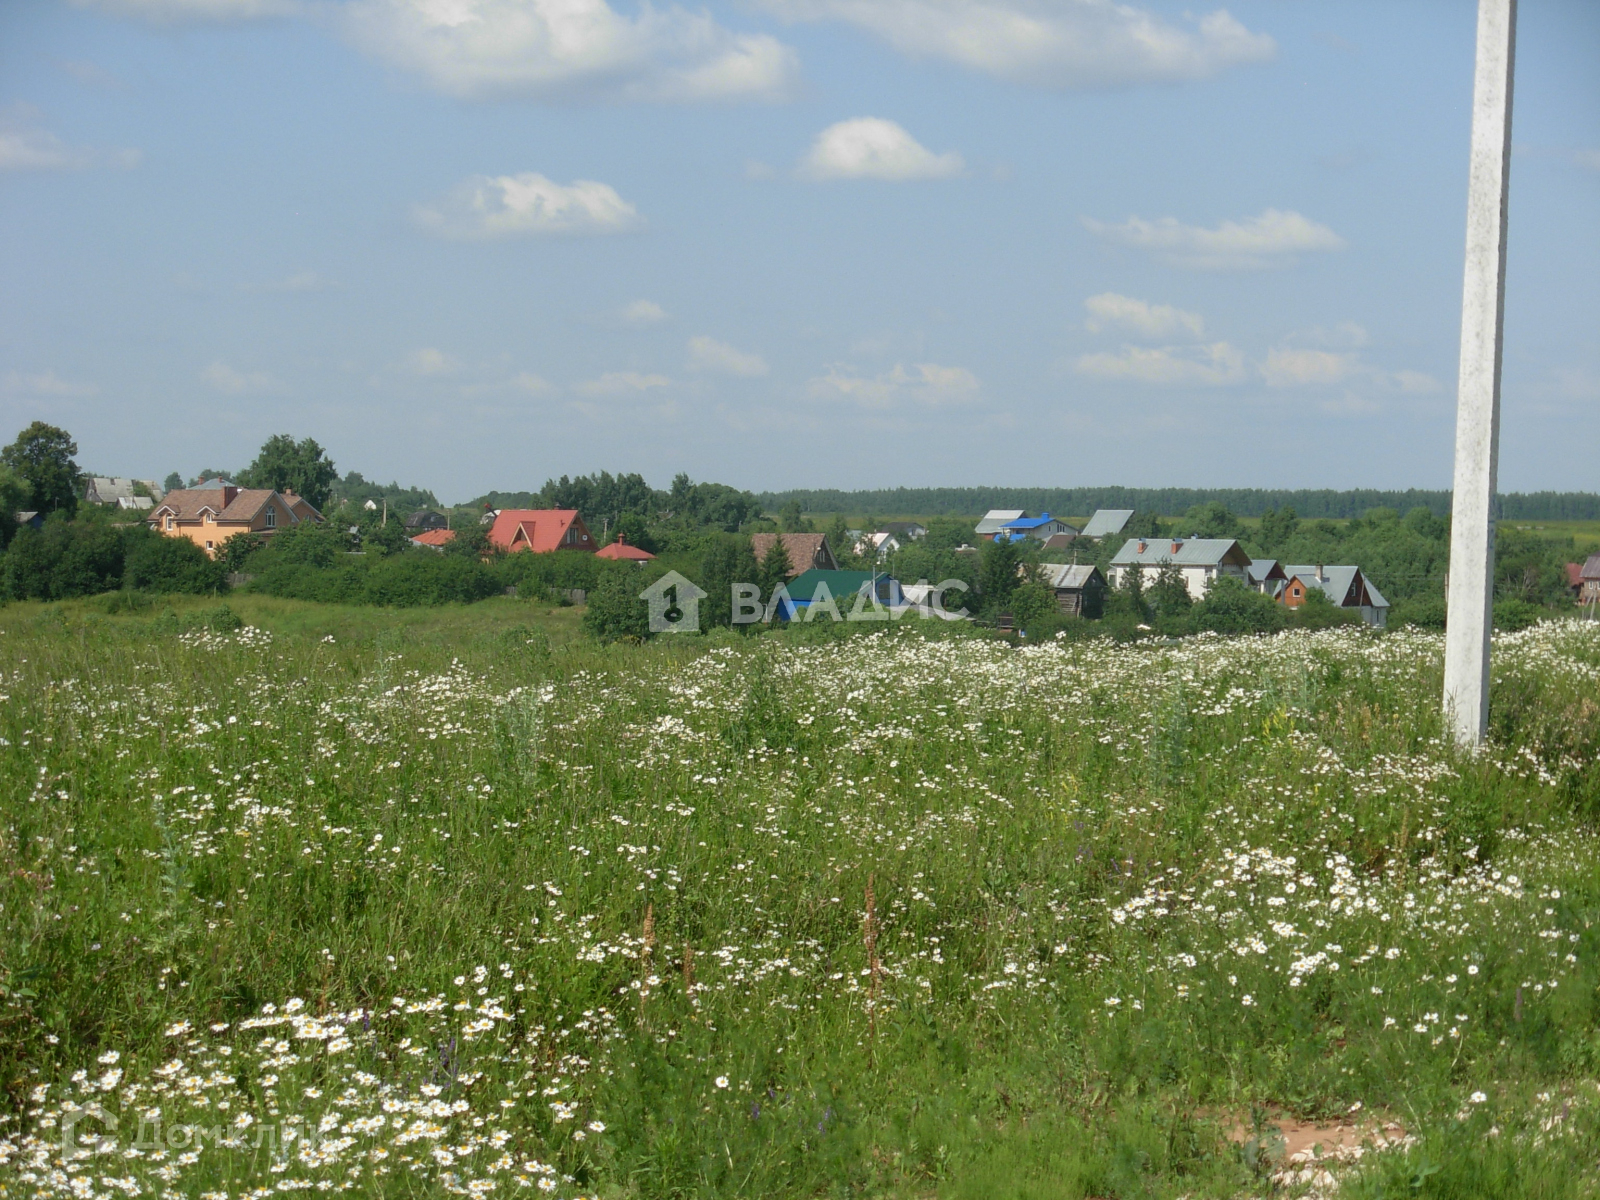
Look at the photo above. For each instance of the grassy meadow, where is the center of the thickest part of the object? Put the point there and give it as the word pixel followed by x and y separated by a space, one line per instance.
pixel 453 901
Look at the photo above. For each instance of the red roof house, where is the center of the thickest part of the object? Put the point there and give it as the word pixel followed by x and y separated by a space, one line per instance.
pixel 434 539
pixel 622 552
pixel 540 530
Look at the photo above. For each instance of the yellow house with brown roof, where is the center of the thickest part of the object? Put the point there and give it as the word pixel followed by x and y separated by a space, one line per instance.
pixel 216 510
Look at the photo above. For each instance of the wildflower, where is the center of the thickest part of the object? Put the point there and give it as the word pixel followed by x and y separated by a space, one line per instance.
pixel 1477 1097
pixel 722 1081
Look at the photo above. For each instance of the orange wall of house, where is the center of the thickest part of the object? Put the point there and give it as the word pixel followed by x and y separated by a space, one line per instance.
pixel 200 533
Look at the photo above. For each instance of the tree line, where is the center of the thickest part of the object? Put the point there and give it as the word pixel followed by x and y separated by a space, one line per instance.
pixel 1246 502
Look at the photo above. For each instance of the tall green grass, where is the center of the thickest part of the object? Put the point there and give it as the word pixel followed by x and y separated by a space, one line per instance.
pixel 1122 898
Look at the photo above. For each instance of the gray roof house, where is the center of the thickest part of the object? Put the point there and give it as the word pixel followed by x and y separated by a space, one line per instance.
pixel 1266 575
pixel 904 530
pixel 1197 560
pixel 1347 587
pixel 1080 588
pixel 997 518
pixel 1107 522
pixel 113 490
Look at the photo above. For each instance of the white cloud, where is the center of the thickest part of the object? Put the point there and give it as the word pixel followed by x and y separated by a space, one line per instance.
pixel 872 148
pixel 1108 310
pixel 926 384
pixel 484 206
pixel 237 383
pixel 1587 158
pixel 1064 43
pixel 477 48
pixel 1218 363
pixel 1269 240
pixel 193 10
pixel 45 385
pixel 1288 367
pixel 622 383
pixel 429 361
pixel 643 312
pixel 1417 383
pixel 708 354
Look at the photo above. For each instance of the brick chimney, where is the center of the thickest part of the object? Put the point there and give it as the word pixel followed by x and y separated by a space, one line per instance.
pixel 229 491
pixel 1176 545
pixel 1143 545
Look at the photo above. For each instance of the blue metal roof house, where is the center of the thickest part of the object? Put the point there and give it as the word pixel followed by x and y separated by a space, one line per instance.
pixel 1039 527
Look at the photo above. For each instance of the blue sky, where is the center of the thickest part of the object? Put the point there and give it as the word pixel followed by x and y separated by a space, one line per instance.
pixel 784 243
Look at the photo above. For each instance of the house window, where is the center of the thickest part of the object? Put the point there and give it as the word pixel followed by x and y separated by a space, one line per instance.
pixel 272 517
pixel 209 546
pixel 169 522
pixel 572 536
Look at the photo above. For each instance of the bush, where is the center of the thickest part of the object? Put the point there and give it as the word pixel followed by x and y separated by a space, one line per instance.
pixel 422 577
pixel 1512 615
pixel 1425 612
pixel 1232 607
pixel 615 611
pixel 344 584
pixel 155 563
pixel 64 560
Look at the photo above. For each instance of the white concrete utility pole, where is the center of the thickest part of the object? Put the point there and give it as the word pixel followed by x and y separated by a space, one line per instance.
pixel 1471 598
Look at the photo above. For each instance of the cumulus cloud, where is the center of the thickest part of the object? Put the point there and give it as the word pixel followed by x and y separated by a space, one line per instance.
pixel 478 48
pixel 1289 367
pixel 708 354
pixel 622 383
pixel 922 384
pixel 45 385
pixel 1269 240
pixel 485 206
pixel 225 379
pixel 26 146
pixel 643 312
pixel 872 148
pixel 1216 364
pixel 1109 311
pixel 428 361
pixel 164 11
pixel 1059 44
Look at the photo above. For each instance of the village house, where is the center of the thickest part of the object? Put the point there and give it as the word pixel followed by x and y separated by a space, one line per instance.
pixel 425 519
pixel 1107 522
pixel 877 545
pixel 906 531
pixel 540 530
pixel 620 551
pixel 1266 575
pixel 1198 561
pixel 434 539
pixel 1040 528
pixel 1589 593
pixel 1080 588
pixel 807 551
pixel 1347 587
pixel 215 510
pixel 134 494
pixel 997 519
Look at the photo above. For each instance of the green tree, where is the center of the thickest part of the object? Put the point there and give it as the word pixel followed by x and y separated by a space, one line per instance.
pixel 284 465
pixel 154 563
pixel 774 568
pixel 173 482
pixel 42 458
pixel 1169 594
pixel 1232 607
pixel 728 560
pixel 793 519
pixel 614 609
pixel 1210 520
pixel 13 499
pixel 1277 526
pixel 997 574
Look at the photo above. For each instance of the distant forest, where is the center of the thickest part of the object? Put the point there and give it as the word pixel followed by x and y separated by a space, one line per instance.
pixel 1244 502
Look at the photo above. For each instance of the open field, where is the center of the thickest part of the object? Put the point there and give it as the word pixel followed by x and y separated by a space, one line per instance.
pixel 453 901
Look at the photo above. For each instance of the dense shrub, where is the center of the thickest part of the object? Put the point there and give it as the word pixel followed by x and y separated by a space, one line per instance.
pixel 63 560
pixel 154 563
pixel 343 584
pixel 1425 612
pixel 615 611
pixel 1232 607
pixel 422 577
